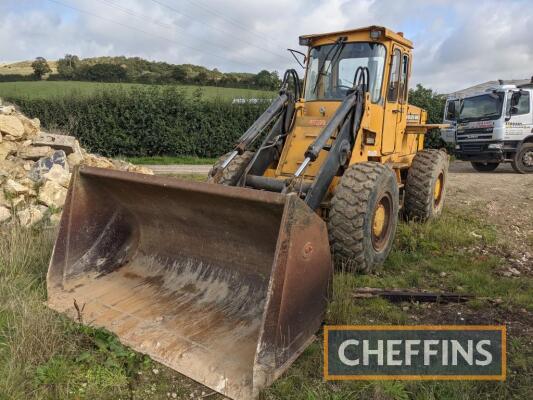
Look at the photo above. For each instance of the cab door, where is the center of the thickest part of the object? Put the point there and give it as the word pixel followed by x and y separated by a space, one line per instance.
pixel 393 107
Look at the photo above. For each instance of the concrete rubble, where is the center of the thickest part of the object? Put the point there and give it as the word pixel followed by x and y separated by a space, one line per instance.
pixel 36 167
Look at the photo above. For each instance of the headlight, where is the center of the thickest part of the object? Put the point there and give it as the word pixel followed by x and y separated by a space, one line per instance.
pixel 457 147
pixel 495 146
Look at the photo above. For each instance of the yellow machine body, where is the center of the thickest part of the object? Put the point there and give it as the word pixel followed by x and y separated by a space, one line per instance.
pixel 392 131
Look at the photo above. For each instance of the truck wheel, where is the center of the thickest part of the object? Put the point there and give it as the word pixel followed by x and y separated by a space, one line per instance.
pixel 523 159
pixel 484 166
pixel 425 188
pixel 232 172
pixel 363 215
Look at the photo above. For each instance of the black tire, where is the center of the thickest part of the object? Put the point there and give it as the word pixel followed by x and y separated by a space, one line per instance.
pixel 232 173
pixel 425 189
pixel 523 159
pixel 362 192
pixel 484 166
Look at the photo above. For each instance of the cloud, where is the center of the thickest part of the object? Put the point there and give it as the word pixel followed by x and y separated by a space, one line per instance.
pixel 457 44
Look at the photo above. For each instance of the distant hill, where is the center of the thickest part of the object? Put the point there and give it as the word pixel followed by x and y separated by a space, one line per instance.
pixel 22 68
pixel 139 70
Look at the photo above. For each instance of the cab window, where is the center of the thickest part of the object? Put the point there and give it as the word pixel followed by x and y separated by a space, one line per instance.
pixel 404 75
pixel 523 105
pixel 394 77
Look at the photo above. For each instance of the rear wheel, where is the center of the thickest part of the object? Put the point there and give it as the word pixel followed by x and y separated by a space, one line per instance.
pixel 234 170
pixel 484 166
pixel 523 159
pixel 364 215
pixel 425 188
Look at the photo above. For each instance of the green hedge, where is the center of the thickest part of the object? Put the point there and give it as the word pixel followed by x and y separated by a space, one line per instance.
pixel 154 121
pixel 145 122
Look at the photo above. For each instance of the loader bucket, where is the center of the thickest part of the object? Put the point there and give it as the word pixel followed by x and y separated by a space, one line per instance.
pixel 225 285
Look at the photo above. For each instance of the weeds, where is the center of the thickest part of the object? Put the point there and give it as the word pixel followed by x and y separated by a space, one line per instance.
pixel 46 356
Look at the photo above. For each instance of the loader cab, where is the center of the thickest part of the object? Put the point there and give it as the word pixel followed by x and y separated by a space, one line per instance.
pixel 332 62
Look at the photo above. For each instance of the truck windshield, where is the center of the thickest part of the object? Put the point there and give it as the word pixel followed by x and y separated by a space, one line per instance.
pixel 337 69
pixel 481 108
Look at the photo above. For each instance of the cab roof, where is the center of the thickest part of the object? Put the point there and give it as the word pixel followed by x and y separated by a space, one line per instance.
pixel 396 36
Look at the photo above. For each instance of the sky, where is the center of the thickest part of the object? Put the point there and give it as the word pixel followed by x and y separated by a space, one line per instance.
pixel 457 43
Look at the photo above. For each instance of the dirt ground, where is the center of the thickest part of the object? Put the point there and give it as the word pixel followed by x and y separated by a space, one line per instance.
pixel 502 196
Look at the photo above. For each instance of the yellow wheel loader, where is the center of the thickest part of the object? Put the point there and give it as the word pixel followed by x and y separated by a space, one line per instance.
pixel 227 281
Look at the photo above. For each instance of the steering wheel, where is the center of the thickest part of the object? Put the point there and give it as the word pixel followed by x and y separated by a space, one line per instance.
pixel 340 90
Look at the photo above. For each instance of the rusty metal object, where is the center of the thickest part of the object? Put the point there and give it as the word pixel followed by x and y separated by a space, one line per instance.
pixel 396 296
pixel 225 285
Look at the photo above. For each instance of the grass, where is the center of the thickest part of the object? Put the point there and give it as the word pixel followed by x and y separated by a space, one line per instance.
pixel 46 356
pixel 171 160
pixel 45 89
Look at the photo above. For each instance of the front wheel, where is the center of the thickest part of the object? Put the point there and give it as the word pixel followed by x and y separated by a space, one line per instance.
pixel 233 171
pixel 425 188
pixel 364 215
pixel 484 166
pixel 523 159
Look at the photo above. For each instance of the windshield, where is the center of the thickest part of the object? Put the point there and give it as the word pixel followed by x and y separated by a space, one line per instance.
pixel 338 66
pixel 481 108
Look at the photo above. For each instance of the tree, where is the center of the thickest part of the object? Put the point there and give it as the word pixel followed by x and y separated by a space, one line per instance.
pixel 40 67
pixel 179 73
pixel 106 73
pixel 434 104
pixel 430 101
pixel 275 81
pixel 263 80
pixel 66 66
pixel 202 78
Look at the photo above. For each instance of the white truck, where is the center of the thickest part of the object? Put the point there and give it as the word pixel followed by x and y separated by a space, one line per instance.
pixel 496 126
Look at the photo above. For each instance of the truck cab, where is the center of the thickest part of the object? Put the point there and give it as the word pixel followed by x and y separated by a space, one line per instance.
pixel 496 126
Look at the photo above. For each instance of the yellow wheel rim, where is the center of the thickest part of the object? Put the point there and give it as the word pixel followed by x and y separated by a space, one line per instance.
pixel 437 191
pixel 379 220
pixel 382 222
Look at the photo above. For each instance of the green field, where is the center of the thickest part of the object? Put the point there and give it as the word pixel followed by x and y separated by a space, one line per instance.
pixel 46 89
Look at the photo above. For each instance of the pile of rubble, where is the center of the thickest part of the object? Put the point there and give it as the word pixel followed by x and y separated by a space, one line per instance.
pixel 35 169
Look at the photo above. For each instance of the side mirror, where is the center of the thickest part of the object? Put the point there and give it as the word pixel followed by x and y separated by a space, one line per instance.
pixel 513 107
pixel 450 113
pixel 297 56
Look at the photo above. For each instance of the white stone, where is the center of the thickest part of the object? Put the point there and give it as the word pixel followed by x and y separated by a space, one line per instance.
pixel 31 126
pixel 55 219
pixel 7 110
pixel 7 148
pixel 5 214
pixel 52 194
pixel 58 174
pixel 34 153
pixel 31 215
pixel 74 159
pixel 17 200
pixel 14 188
pixel 11 125
pixel 68 144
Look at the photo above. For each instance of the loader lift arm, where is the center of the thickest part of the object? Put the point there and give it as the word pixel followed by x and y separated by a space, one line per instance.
pixel 346 121
pixel 281 108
